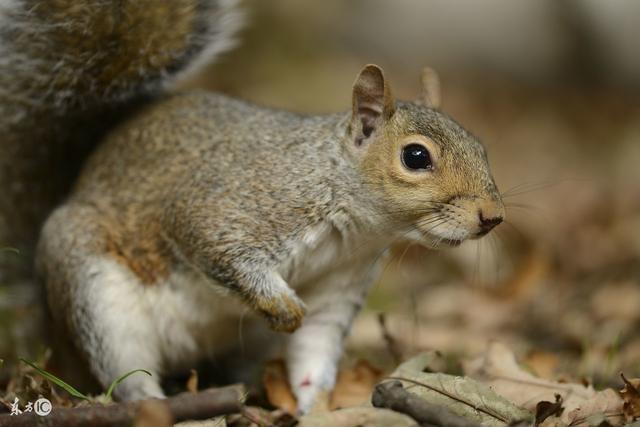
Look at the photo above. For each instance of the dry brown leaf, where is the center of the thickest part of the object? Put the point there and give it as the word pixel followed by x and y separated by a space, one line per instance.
pixel 542 363
pixel 211 422
pixel 153 413
pixel 462 396
pixel 359 416
pixel 552 422
pixel 354 386
pixel 192 382
pixel 606 403
pixel 254 416
pixel 526 279
pixel 277 386
pixel 498 368
pixel 631 397
pixel 321 402
pixel 546 409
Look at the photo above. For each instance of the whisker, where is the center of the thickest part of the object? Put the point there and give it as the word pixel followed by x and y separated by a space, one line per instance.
pixel 527 187
pixel 479 261
pixel 532 212
pixel 404 252
pixel 495 249
pixel 424 222
pixel 516 229
pixel 435 224
pixel 536 186
pixel 521 206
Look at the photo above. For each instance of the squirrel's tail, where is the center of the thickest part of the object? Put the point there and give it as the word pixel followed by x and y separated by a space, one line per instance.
pixel 78 54
pixel 72 69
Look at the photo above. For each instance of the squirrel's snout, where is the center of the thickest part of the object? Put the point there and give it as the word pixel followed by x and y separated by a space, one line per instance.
pixel 487 223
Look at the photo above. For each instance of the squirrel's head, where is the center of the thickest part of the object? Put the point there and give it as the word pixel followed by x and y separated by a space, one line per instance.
pixel 432 176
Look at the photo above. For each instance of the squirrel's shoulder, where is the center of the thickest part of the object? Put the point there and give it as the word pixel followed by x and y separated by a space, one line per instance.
pixel 222 108
pixel 221 116
pixel 209 132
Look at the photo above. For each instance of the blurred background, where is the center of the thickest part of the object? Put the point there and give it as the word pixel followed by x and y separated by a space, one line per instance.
pixel 551 87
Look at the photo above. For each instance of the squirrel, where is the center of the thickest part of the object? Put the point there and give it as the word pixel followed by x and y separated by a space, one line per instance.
pixel 200 208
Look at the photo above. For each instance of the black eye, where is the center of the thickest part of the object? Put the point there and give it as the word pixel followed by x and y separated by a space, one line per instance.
pixel 416 156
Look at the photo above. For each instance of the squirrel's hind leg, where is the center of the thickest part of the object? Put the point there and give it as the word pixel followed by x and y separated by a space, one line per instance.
pixel 100 301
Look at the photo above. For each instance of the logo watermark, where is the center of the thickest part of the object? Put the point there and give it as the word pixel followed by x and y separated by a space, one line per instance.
pixel 41 407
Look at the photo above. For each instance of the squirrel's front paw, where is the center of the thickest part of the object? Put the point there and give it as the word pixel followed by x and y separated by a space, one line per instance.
pixel 284 312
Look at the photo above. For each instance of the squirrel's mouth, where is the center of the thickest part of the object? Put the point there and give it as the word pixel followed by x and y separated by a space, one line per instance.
pixel 444 236
pixel 434 241
pixel 451 242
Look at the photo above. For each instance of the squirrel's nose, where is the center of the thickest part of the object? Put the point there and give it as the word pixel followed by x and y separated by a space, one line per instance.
pixel 487 224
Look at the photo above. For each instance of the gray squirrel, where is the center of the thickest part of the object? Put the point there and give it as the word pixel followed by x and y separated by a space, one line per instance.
pixel 200 206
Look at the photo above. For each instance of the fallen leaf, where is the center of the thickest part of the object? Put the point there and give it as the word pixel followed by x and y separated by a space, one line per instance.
pixel 606 403
pixel 192 382
pixel 631 397
pixel 358 416
pixel 253 416
pixel 542 363
pixel 321 402
pixel 461 395
pixel 153 413
pixel 277 386
pixel 551 422
pixel 546 409
pixel 353 386
pixel 498 368
pixel 212 422
pixel 423 362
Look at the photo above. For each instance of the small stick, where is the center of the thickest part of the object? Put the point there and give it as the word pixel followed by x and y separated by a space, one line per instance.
pixel 392 395
pixel 184 406
pixel 392 344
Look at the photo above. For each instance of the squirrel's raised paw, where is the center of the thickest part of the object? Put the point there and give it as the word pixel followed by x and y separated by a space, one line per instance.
pixel 283 312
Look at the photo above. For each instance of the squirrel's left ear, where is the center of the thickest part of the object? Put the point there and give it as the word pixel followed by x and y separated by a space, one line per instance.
pixel 372 103
pixel 430 88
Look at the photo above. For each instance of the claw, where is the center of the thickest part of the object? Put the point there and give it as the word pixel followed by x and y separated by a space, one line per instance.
pixel 284 314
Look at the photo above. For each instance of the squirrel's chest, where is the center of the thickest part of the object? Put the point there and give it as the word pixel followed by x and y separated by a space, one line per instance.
pixel 320 249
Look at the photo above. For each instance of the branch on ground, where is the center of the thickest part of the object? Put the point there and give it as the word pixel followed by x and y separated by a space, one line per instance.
pixel 392 395
pixel 185 406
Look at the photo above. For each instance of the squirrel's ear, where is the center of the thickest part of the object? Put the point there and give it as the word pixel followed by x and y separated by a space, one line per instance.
pixel 430 88
pixel 372 102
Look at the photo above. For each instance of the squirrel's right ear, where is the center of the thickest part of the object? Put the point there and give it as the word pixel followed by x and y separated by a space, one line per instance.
pixel 372 103
pixel 430 88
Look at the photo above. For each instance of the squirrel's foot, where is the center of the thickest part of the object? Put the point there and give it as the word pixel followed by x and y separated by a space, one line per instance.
pixel 311 385
pixel 284 312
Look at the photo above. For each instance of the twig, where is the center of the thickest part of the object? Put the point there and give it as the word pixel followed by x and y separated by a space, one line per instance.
pixel 392 344
pixel 451 396
pixel 185 406
pixel 393 396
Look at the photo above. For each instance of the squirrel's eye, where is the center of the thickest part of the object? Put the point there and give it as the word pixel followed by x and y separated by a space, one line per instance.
pixel 416 156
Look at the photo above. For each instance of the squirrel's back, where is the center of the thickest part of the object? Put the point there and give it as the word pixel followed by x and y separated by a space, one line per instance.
pixel 231 141
pixel 72 69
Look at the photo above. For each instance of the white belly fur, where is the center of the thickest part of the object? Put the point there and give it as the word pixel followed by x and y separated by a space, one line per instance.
pixel 196 318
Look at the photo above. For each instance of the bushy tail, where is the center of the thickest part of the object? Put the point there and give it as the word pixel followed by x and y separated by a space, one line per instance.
pixel 67 67
pixel 76 54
